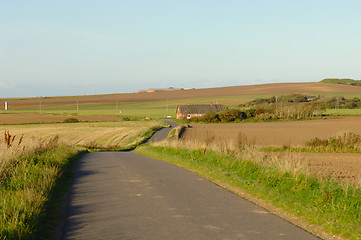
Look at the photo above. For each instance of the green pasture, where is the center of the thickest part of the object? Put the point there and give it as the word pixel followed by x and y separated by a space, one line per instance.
pixel 153 109
pixel 343 112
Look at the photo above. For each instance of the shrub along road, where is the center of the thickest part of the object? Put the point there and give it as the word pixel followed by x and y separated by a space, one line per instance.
pixel 123 195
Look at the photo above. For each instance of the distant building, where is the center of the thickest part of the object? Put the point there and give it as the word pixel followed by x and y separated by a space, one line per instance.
pixel 189 111
pixel 311 98
pixel 152 90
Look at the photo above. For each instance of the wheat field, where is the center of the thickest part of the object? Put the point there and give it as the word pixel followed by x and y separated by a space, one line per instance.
pixel 102 134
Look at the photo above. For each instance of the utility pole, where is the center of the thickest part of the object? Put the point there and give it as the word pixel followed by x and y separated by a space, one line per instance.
pixel 40 106
pixel 77 105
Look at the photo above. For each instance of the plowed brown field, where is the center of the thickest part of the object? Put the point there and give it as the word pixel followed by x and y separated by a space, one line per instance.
pixel 341 166
pixel 344 166
pixel 274 133
pixel 274 88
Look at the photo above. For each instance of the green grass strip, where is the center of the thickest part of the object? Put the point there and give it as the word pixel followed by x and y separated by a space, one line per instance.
pixel 32 191
pixel 331 205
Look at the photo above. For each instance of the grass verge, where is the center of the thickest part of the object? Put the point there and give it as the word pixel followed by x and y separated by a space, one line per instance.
pixel 32 188
pixel 326 203
pixel 176 132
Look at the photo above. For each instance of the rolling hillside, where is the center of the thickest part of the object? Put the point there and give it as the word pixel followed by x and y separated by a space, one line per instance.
pixel 273 88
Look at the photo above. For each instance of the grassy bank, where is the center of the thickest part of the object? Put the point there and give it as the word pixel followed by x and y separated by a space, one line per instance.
pixel 333 206
pixel 33 183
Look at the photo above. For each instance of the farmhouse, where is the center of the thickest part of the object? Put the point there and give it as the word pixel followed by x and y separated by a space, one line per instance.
pixel 188 111
pixel 311 98
pixel 152 90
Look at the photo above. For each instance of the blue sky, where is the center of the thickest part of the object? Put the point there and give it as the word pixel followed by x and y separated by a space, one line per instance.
pixel 51 48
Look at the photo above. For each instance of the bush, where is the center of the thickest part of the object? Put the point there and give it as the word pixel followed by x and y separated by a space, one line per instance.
pixel 207 118
pixel 231 115
pixel 299 98
pixel 266 116
pixel 71 120
pixel 250 113
pixel 259 101
pixel 210 118
pixel 192 119
pixel 342 142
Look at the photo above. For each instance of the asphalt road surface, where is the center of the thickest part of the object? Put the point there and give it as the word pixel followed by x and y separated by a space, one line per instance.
pixel 123 195
pixel 163 133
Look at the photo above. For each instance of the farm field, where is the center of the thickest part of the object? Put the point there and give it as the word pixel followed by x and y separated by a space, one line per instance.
pixel 162 104
pixel 273 133
pixel 344 166
pixel 90 134
pixel 341 166
pixel 20 118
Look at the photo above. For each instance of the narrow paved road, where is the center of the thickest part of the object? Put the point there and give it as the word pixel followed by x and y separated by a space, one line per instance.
pixel 122 195
pixel 163 133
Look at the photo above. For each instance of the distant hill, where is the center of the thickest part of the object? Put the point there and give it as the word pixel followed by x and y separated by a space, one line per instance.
pixel 256 90
pixel 343 81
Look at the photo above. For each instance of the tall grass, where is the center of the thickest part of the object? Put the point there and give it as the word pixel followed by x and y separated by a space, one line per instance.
pixel 241 148
pixel 29 174
pixel 343 142
pixel 285 182
pixel 346 141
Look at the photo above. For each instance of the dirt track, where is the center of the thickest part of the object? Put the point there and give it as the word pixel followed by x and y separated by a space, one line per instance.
pixel 274 88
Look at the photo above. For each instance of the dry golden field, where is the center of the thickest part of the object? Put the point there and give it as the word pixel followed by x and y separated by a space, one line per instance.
pixel 92 134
